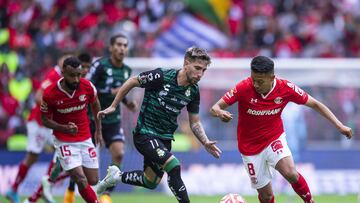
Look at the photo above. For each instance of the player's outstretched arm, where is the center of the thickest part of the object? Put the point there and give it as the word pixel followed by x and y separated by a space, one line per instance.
pixel 122 92
pixel 217 110
pixel 326 112
pixel 199 132
pixel 95 108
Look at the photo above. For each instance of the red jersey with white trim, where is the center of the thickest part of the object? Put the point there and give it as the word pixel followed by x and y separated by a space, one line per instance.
pixel 53 76
pixel 65 108
pixel 259 118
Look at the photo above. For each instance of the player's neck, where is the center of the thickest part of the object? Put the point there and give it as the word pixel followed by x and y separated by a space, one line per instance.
pixel 181 78
pixel 64 87
pixel 272 85
pixel 116 63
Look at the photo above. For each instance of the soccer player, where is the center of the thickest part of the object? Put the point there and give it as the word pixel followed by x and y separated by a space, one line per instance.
pixel 261 137
pixel 38 135
pixel 55 173
pixel 108 74
pixel 64 109
pixel 85 59
pixel 167 91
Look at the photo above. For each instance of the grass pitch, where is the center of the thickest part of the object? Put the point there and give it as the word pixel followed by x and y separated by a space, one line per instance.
pixel 161 198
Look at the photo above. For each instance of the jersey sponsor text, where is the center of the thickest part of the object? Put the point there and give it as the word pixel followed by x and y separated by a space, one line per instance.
pixel 263 112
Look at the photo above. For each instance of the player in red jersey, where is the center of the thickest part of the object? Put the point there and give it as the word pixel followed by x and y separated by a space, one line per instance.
pixel 55 173
pixel 38 135
pixel 260 133
pixel 64 109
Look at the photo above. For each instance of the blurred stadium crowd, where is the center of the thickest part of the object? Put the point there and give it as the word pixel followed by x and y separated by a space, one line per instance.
pixel 34 32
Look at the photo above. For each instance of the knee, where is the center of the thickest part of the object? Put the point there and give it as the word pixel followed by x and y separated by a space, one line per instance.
pixel 176 171
pixel 150 184
pixel 93 180
pixel 291 175
pixel 266 197
pixel 80 180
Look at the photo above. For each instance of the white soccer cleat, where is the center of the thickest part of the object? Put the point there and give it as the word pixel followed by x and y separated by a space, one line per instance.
pixel 47 189
pixel 113 175
pixel 26 201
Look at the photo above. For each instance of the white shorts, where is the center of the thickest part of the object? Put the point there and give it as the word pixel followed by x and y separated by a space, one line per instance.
pixel 75 154
pixel 38 136
pixel 258 166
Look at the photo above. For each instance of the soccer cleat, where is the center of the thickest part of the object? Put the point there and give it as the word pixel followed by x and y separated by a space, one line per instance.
pixel 69 196
pixel 105 198
pixel 27 201
pixel 12 196
pixel 48 197
pixel 113 175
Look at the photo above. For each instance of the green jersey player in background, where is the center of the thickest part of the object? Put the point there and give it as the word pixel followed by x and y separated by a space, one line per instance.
pixel 108 74
pixel 167 91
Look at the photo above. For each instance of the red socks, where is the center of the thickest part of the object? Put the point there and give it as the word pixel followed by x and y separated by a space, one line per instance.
pixel 35 196
pixel 23 169
pixel 302 189
pixel 88 195
pixel 271 201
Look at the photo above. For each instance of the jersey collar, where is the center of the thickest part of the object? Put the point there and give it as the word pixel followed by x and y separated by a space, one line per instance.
pixel 61 89
pixel 273 87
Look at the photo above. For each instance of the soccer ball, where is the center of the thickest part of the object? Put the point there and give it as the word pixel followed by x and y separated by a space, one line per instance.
pixel 232 198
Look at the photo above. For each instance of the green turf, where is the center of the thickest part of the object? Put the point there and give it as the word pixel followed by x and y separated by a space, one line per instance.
pixel 160 198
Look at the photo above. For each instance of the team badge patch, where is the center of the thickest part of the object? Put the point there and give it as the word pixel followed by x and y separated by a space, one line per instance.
pixel 82 97
pixel 277 146
pixel 92 152
pixel 278 100
pixel 187 92
pixel 142 79
pixel 160 152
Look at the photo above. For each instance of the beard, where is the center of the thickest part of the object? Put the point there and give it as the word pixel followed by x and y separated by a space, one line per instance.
pixel 71 86
pixel 190 80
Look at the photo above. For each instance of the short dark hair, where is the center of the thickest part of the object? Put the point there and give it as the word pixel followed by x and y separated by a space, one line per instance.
pixel 84 57
pixel 114 37
pixel 72 62
pixel 193 53
pixel 262 64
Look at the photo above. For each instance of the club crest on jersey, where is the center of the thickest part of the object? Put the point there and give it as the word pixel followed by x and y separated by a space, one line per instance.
pixel 278 100
pixel 187 92
pixel 82 97
pixel 160 152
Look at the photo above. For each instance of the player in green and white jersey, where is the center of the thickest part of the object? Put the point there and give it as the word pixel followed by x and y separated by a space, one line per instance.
pixel 167 91
pixel 108 74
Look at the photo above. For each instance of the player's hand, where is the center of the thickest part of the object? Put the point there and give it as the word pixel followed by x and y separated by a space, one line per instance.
pixel 71 128
pixel 346 131
pixel 99 141
pixel 103 113
pixel 224 116
pixel 212 148
pixel 132 106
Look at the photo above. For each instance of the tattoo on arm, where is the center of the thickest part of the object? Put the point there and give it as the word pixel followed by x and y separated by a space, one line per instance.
pixel 199 132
